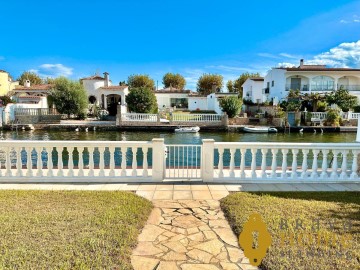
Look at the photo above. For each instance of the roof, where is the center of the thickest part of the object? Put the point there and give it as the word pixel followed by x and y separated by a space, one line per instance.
pixel 173 91
pixel 114 87
pixel 29 97
pixel 95 77
pixel 34 87
pixel 3 71
pixel 257 79
pixel 312 68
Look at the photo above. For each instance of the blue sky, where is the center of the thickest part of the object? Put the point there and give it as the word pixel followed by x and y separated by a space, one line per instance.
pixel 191 37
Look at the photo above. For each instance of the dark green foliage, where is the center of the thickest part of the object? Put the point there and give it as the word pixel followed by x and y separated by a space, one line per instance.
pixel 31 76
pixel 209 83
pixel 231 105
pixel 140 81
pixel 174 80
pixel 141 100
pixel 69 97
pixel 237 84
pixel 6 100
pixel 343 99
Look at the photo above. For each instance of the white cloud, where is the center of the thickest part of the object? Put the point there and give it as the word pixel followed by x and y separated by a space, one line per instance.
pixel 354 19
pixel 229 68
pixel 286 65
pixel 346 54
pixel 53 70
pixel 291 56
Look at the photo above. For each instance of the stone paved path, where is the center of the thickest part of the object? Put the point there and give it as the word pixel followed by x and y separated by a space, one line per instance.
pixel 188 235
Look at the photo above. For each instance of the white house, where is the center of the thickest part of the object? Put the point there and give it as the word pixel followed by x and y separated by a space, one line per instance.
pixel 171 97
pixel 101 92
pixel 213 101
pixel 32 94
pixel 197 102
pixel 253 90
pixel 310 79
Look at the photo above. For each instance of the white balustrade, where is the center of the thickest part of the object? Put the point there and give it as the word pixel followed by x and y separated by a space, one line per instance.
pixel 139 117
pixel 181 117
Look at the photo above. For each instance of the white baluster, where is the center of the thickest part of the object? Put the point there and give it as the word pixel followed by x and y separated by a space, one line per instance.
pixel 304 167
pixel 101 162
pixel 354 167
pixel 324 174
pixel 145 162
pixel 112 161
pixel 8 161
pixel 70 161
pixel 273 163
pixel 242 164
pixel 18 162
pixel 263 163
pixel 39 161
pixel 60 161
pixel 314 174
pixel 221 166
pixel 91 161
pixel 29 172
pixel 284 163
pixel 81 161
pixel 1 169
pixel 123 161
pixel 334 174
pixel 343 174
pixel 50 162
pixel 134 163
pixel 232 162
pixel 294 174
pixel 253 163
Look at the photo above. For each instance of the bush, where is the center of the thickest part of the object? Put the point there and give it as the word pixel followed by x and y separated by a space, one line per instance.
pixel 357 109
pixel 231 105
pixel 141 100
pixel 333 117
pixel 6 100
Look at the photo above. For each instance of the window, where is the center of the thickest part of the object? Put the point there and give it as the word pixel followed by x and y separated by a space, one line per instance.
pixel 92 99
pixel 322 83
pixel 272 84
pixel 179 102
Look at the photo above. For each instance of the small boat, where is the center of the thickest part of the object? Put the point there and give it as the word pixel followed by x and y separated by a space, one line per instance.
pixel 260 129
pixel 187 129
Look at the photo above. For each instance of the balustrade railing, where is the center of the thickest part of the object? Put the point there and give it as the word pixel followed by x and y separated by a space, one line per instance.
pixel 177 117
pixel 344 115
pixel 35 111
pixel 143 117
pixel 286 161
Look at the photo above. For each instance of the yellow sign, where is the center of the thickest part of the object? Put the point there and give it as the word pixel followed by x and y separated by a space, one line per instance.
pixel 255 252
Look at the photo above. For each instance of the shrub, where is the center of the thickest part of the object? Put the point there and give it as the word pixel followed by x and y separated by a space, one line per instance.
pixel 141 100
pixel 333 117
pixel 6 100
pixel 231 105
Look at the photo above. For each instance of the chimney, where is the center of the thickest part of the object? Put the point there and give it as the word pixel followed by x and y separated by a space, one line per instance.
pixel 301 62
pixel 27 83
pixel 106 76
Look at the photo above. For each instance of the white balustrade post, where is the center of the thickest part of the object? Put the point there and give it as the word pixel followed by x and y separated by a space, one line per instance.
pixel 334 174
pixel 112 161
pixel 232 162
pixel 158 159
pixel 70 161
pixel 81 161
pixel 50 162
pixel 304 173
pixel 284 163
pixel 221 162
pixel 242 163
pixel 354 166
pixel 343 174
pixel 101 162
pixel 263 163
pixel 8 161
pixel 207 164
pixel 273 163
pixel 18 161
pixel 314 174
pixel 145 161
pixel 39 162
pixel 253 163
pixel 29 172
pixel 134 161
pixel 294 174
pixel 324 174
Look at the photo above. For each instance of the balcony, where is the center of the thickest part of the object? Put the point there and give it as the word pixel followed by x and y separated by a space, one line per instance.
pixel 301 87
pixel 349 87
pixel 322 87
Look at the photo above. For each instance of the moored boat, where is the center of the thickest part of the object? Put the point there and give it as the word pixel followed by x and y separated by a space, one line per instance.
pixel 187 129
pixel 260 129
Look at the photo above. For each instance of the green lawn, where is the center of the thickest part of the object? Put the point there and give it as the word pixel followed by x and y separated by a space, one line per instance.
pixel 69 229
pixel 334 207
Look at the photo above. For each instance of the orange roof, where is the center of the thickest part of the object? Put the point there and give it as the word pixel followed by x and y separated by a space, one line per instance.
pixel 95 77
pixel 35 87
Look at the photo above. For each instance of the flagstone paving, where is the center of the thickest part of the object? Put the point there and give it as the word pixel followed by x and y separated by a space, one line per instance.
pixel 188 234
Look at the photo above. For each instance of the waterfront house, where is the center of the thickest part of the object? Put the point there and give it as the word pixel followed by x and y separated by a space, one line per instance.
pixel 253 90
pixel 102 93
pixel 309 79
pixel 6 83
pixel 172 97
pixel 31 94
pixel 213 101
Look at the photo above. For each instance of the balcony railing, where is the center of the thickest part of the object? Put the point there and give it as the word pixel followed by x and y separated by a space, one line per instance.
pixel 349 87
pixel 322 87
pixel 301 87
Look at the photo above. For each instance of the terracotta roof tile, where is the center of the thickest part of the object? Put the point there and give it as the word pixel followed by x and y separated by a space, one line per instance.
pixel 320 69
pixel 95 77
pixel 114 87
pixel 35 87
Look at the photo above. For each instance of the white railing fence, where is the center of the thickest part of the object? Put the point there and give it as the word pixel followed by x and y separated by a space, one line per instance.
pixel 344 115
pixel 35 111
pixel 179 117
pixel 140 117
pixel 144 161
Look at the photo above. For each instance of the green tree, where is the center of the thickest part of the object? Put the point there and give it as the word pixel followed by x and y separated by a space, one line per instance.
pixel 31 76
pixel 231 105
pixel 237 85
pixel 343 99
pixel 174 80
pixel 141 100
pixel 140 81
pixel 69 97
pixel 230 86
pixel 122 83
pixel 209 83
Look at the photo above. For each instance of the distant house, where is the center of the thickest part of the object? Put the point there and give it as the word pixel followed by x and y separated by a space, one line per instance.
pixel 32 94
pixel 197 102
pixel 311 79
pixel 213 99
pixel 102 93
pixel 6 83
pixel 254 91
pixel 172 97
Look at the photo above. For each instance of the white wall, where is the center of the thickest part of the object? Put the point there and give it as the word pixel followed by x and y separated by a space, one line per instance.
pixel 197 103
pixel 256 90
pixel 9 111
pixel 91 87
pixel 164 98
pixel 278 76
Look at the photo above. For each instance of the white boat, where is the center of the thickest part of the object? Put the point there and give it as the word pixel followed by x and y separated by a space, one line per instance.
pixel 260 129
pixel 187 129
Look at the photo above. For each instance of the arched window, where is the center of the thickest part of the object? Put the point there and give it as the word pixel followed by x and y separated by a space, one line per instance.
pixel 92 99
pixel 322 83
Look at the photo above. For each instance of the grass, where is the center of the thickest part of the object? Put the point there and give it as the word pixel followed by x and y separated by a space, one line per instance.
pixel 334 207
pixel 69 229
